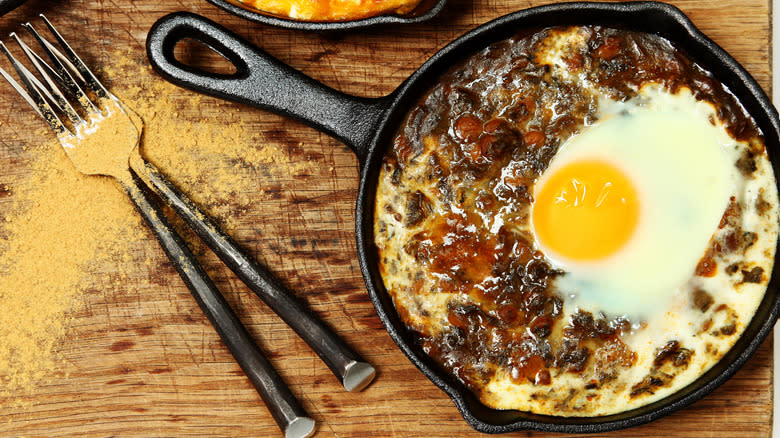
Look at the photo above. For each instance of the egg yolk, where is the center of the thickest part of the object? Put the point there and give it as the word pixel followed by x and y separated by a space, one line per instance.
pixel 586 210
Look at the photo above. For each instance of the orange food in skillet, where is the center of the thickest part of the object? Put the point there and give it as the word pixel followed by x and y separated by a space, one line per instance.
pixel 332 10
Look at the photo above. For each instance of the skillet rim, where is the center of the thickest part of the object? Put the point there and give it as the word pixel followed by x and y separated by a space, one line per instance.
pixel 676 27
pixel 322 26
pixel 9 5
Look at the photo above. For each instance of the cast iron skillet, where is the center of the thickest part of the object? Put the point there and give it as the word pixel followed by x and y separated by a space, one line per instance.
pixel 426 10
pixel 368 125
pixel 9 5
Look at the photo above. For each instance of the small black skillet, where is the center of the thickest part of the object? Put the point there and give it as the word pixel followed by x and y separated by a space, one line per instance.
pixel 426 10
pixel 368 125
pixel 9 5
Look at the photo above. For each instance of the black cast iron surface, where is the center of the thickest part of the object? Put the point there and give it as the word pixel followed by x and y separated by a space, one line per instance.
pixel 427 10
pixel 368 125
pixel 9 5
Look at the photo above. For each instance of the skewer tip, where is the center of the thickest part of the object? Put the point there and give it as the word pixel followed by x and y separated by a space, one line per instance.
pixel 301 427
pixel 358 376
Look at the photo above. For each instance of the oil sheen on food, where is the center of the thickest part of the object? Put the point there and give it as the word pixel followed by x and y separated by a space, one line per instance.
pixel 332 10
pixel 577 221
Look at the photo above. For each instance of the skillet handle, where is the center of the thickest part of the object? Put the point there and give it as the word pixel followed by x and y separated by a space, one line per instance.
pixel 353 372
pixel 263 81
pixel 284 407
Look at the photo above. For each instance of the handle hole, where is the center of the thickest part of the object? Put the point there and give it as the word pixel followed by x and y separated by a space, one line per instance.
pixel 199 56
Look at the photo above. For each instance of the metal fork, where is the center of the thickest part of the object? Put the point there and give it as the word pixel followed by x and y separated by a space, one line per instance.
pixel 101 136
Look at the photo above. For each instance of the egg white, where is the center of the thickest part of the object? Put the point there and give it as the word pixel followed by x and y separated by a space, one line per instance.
pixel 680 163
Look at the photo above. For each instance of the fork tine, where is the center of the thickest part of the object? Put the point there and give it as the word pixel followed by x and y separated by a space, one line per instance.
pixel 64 59
pixel 20 89
pixel 24 73
pixel 74 74
pixel 50 71
pixel 57 95
pixel 90 79
pixel 55 75
pixel 33 94
pixel 68 82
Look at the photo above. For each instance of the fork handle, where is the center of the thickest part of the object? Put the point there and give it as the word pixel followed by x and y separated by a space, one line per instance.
pixel 353 372
pixel 284 407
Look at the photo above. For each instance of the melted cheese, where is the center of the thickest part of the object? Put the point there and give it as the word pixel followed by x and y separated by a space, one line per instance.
pixel 332 10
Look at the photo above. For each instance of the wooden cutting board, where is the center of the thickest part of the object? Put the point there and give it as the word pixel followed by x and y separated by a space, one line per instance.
pixel 143 361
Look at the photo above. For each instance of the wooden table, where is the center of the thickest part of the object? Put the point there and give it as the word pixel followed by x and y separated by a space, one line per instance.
pixel 143 361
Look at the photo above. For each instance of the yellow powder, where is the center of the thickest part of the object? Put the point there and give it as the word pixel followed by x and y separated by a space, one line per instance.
pixel 103 146
pixel 67 231
pixel 179 146
pixel 62 223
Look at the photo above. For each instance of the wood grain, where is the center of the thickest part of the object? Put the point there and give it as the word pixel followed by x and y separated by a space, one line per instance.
pixel 141 358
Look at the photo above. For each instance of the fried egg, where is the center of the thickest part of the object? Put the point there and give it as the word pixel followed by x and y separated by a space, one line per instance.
pixel 618 196
pixel 573 227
